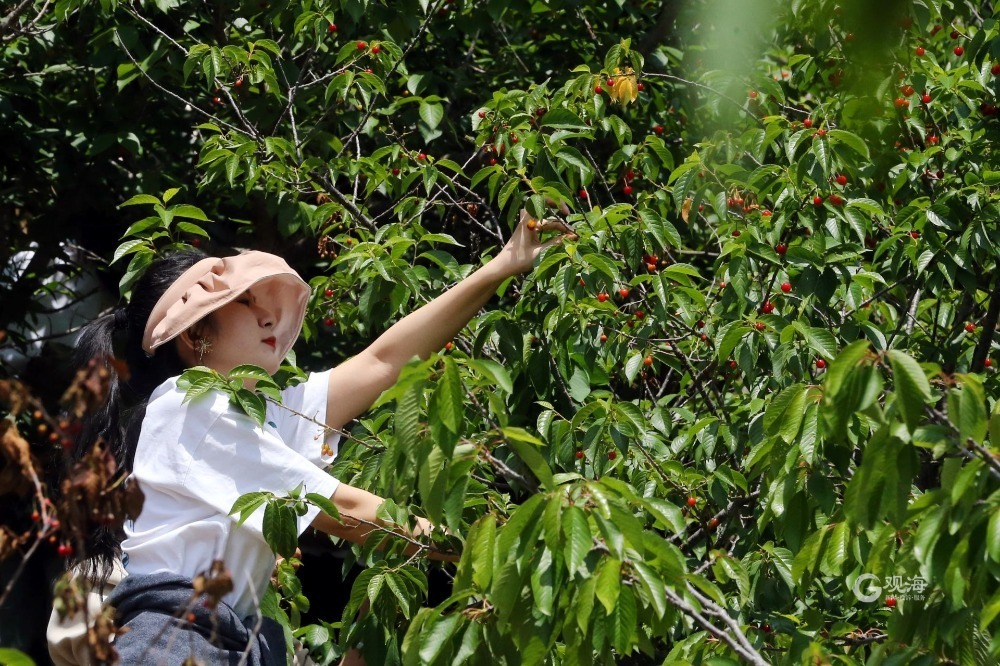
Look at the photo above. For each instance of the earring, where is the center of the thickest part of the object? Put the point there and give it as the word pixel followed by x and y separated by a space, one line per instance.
pixel 202 346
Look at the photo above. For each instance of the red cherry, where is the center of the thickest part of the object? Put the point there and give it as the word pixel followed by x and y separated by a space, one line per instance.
pixel 196 242
pixel 970 328
pixel 493 161
pixel 362 46
pixel 988 363
pixel 781 248
pixel 598 89
pixel 332 27
pixel 421 156
pixel 651 268
pixel 395 172
pixel 841 180
pixel 914 234
pixel 648 360
pixel 995 69
pixel 238 82
pixel 820 363
pixel 722 285
pixel 448 345
pixel 821 132
pixel 890 602
pixel 753 94
pixel 808 123
pixel 482 114
pixel 640 87
pixel 959 50
pixel 658 129
pixel 604 338
pixel 817 200
pixel 612 455
pixel 759 326
pixel 328 292
pixel 700 323
pixel 925 98
pixel 217 100
pixel 639 314
pixel 583 194
pixel 376 49
pixel 786 287
pixel 692 501
pixel 736 233
pixel 954 34
pixel 328 321
pixel 627 190
pixel 920 51
pixel 35 516
pixel 768 307
pixel 602 297
pixel 623 292
pixel 579 455
pixel 765 213
pixel 713 523
pixel 629 175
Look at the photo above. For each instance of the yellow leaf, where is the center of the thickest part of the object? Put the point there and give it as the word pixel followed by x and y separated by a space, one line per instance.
pixel 624 91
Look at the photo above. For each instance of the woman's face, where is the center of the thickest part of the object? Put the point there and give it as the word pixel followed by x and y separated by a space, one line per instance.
pixel 246 330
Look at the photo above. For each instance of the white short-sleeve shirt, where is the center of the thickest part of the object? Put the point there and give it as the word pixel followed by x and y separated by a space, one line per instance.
pixel 194 459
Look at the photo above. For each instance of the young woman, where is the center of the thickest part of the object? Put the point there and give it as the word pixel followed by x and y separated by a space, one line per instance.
pixel 193 459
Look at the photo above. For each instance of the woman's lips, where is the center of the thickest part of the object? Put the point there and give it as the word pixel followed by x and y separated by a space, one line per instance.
pixel 273 341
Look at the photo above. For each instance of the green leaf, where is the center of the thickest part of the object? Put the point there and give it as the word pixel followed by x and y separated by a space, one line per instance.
pixel 252 404
pixel 483 550
pixel 972 421
pixel 524 446
pixel 248 503
pixel 819 340
pixel 12 657
pixel 608 582
pixel 431 114
pixel 128 247
pixel 578 538
pixel 139 199
pixel 993 536
pixel 853 141
pixel 562 119
pixel 280 528
pixel 913 391
pixel 325 504
pixel 188 211
pixel 449 397
pixel 784 415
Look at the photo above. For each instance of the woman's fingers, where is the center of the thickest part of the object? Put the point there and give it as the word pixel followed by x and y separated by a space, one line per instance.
pixel 555 224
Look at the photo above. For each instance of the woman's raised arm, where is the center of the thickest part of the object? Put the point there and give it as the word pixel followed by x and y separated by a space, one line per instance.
pixel 358 382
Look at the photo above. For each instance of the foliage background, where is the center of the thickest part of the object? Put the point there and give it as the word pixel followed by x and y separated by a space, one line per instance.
pixel 696 467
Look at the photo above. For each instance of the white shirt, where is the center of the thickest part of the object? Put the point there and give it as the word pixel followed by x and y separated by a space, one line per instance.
pixel 194 459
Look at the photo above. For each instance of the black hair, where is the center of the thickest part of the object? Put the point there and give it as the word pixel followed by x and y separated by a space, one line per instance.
pixel 116 422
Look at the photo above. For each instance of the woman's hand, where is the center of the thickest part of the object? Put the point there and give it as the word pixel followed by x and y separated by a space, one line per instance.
pixel 519 254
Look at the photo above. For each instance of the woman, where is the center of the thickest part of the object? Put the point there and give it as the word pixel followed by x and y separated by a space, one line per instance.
pixel 192 459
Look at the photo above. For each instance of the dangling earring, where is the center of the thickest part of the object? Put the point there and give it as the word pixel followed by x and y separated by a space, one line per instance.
pixel 202 346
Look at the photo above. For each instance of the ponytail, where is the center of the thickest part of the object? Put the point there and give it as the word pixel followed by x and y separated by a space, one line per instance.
pixel 116 422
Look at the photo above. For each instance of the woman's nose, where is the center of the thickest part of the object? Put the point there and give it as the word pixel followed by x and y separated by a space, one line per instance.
pixel 265 317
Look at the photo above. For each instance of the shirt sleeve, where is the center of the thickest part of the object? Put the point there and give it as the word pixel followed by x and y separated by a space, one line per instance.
pixel 303 432
pixel 236 456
